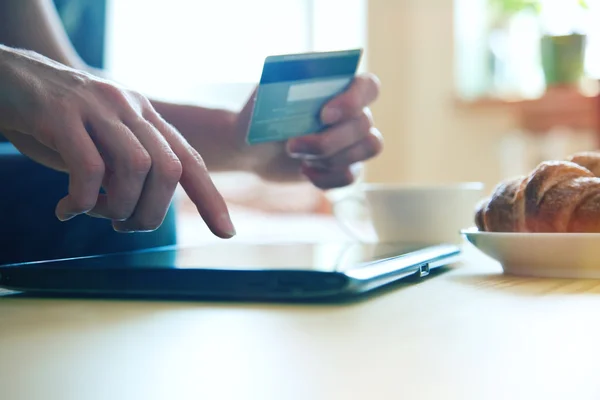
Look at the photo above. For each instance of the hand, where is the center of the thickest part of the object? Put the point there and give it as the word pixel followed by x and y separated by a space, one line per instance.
pixel 104 137
pixel 326 158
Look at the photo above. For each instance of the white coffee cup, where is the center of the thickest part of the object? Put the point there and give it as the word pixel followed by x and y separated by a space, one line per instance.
pixel 412 213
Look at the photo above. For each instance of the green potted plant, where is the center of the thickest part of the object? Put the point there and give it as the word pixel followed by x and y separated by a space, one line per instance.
pixel 562 54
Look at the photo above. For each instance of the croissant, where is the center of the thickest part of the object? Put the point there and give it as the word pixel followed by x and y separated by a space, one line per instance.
pixel 556 197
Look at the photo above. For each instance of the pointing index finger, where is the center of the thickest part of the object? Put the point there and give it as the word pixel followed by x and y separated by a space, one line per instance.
pixel 197 183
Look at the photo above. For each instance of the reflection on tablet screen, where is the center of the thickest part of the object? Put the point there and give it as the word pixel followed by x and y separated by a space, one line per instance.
pixel 240 256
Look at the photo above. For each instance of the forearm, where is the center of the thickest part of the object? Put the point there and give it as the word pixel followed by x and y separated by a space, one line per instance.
pixel 210 131
pixel 35 25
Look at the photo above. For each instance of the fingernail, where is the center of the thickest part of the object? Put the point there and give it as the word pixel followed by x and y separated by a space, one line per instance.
pixel 66 217
pixel 93 215
pixel 120 227
pixel 331 115
pixel 228 227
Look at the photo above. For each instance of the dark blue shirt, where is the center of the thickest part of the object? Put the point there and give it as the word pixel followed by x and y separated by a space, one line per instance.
pixel 30 231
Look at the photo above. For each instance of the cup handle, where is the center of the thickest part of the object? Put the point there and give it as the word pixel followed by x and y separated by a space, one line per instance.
pixel 344 222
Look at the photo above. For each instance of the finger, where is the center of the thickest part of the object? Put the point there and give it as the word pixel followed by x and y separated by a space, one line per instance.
pixel 86 170
pixel 362 92
pixel 330 179
pixel 29 146
pixel 333 140
pixel 196 181
pixel 127 166
pixel 364 150
pixel 160 183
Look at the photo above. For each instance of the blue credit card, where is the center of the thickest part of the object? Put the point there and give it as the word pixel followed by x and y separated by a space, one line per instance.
pixel 293 90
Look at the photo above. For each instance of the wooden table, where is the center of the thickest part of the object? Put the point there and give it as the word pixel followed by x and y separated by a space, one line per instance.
pixel 468 333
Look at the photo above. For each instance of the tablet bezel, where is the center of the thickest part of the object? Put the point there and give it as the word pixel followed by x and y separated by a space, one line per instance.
pixel 49 277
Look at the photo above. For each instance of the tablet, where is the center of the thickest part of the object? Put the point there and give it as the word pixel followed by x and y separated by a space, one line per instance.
pixel 233 270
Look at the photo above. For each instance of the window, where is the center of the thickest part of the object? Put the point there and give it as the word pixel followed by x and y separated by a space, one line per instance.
pixel 505 61
pixel 211 52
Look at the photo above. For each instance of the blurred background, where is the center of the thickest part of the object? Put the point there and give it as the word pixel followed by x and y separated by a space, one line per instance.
pixel 472 90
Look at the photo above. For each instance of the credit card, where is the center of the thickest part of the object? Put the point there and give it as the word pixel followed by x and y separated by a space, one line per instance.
pixel 293 90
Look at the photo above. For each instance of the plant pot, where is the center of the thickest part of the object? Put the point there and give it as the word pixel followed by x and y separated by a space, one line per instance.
pixel 563 58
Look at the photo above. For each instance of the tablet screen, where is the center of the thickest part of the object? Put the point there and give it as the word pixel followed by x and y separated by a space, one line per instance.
pixel 241 256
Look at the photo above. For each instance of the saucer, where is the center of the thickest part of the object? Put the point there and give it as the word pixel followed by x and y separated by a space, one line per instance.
pixel 549 255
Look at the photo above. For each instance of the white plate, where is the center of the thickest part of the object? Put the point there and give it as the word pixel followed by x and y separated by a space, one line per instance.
pixel 556 255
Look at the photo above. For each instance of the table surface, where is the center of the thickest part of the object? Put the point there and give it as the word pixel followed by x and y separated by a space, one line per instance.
pixel 467 333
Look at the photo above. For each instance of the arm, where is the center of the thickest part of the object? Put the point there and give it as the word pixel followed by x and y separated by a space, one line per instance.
pixel 35 25
pixel 219 136
pixel 208 130
pixel 104 137
pixel 211 131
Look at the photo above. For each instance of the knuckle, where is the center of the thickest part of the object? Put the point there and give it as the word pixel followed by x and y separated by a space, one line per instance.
pixel 93 169
pixel 78 79
pixel 143 100
pixel 197 158
pixel 140 162
pixel 171 169
pixel 105 88
pixel 353 101
pixel 367 153
pixel 141 103
pixel 371 147
pixel 84 202
pixel 111 93
pixel 365 122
